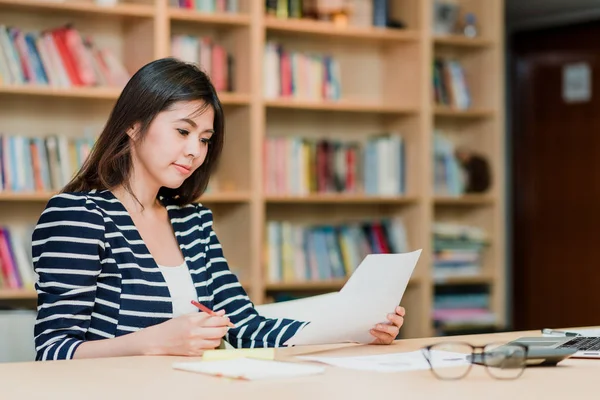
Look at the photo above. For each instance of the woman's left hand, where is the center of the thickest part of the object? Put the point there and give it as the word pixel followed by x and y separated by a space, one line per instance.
pixel 386 333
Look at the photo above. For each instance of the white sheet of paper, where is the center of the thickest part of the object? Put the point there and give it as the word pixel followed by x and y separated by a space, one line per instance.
pixel 374 290
pixel 393 362
pixel 248 368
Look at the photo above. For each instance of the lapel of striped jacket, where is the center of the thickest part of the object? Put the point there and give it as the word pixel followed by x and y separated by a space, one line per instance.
pixel 194 247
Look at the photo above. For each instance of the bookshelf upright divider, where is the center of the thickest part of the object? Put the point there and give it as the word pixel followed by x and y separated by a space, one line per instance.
pixel 388 98
pixel 257 133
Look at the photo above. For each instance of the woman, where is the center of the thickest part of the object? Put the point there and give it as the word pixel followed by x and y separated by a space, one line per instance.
pixel 123 249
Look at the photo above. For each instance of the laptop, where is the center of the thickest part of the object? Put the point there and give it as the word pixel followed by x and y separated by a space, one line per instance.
pixel 585 346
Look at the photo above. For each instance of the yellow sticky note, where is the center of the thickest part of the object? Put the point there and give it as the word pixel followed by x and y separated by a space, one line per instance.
pixel 230 354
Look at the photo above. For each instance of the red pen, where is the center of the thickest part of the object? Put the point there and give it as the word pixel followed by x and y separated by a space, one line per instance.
pixel 209 311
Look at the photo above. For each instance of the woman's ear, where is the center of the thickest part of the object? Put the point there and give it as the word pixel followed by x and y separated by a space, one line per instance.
pixel 133 131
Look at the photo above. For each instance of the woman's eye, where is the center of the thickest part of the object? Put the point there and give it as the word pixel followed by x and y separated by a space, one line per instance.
pixel 183 132
pixel 205 141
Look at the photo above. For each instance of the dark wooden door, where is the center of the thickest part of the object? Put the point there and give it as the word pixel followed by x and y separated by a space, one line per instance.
pixel 556 178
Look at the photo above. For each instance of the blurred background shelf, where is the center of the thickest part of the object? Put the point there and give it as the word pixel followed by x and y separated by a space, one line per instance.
pixel 464 200
pixel 339 105
pixel 17 294
pixel 365 120
pixel 100 93
pixel 340 198
pixel 328 30
pixel 333 285
pixel 217 18
pixel 224 197
pixel 80 7
pixel 441 111
pixel 462 41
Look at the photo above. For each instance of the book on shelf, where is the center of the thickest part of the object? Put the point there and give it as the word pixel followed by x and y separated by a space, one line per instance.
pixel 40 164
pixel 16 271
pixel 207 6
pixel 360 13
pixel 303 253
pixel 458 250
pixel 209 55
pixel 450 86
pixel 301 166
pixel 449 177
pixel 300 75
pixel 462 307
pixel 287 8
pixel 58 57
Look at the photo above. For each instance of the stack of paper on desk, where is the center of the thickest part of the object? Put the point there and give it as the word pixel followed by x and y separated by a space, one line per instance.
pixel 393 362
pixel 230 354
pixel 373 291
pixel 250 369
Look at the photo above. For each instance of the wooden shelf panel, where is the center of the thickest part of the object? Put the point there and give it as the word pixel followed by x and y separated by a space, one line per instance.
pixel 98 93
pixel 18 294
pixel 341 105
pixel 29 196
pixel 329 30
pixel 179 14
pixel 441 111
pixel 462 41
pixel 463 280
pixel 121 10
pixel 227 197
pixel 465 200
pixel 340 198
pixel 234 99
pixel 333 285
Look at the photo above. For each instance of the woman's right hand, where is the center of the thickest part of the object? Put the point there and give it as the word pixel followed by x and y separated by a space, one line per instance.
pixel 186 335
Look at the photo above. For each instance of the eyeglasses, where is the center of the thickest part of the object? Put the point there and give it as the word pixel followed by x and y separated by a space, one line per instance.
pixel 453 360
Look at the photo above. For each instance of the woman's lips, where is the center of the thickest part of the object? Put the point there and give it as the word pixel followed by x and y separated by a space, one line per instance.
pixel 183 169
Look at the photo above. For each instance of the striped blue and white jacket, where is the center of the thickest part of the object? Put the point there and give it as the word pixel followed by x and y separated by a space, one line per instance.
pixel 98 280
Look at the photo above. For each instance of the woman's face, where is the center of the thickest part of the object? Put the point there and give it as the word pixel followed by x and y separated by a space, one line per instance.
pixel 175 145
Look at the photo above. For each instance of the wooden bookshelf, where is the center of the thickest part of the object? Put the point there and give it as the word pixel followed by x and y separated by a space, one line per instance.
pixel 97 93
pixel 462 41
pixel 480 129
pixel 464 200
pixel 340 106
pixel 441 111
pixel 386 87
pixel 328 30
pixel 223 197
pixel 325 285
pixel 94 93
pixel 17 294
pixel 340 198
pixel 176 14
pixel 80 7
pixel 24 196
pixel 311 286
pixel 465 280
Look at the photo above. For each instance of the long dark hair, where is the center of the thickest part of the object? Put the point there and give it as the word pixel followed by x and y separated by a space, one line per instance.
pixel 152 89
